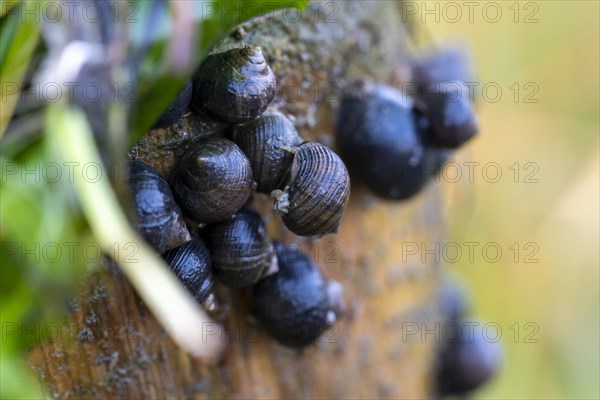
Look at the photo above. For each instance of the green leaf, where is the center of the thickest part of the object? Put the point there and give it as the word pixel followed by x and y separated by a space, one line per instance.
pixel 6 7
pixel 39 222
pixel 18 39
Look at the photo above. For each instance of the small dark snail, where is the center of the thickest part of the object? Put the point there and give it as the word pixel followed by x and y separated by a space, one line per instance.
pixel 159 219
pixel 177 107
pixel 409 179
pixel 380 141
pixel 454 303
pixel 212 180
pixel 241 251
pixel 443 64
pixel 467 362
pixel 235 86
pixel 451 115
pixel 316 192
pixel 296 304
pixel 191 263
pixel 266 142
pixel 467 358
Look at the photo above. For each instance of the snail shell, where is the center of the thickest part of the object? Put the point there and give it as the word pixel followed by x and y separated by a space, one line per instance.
pixel 235 86
pixel 295 304
pixel 454 303
pixel 468 361
pixel 317 191
pixel 380 142
pixel 266 142
pixel 241 251
pixel 212 180
pixel 452 118
pixel 177 107
pixel 159 219
pixel 411 178
pixel 444 64
pixel 191 263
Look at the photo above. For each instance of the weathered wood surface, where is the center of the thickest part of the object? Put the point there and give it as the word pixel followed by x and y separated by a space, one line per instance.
pixel 115 348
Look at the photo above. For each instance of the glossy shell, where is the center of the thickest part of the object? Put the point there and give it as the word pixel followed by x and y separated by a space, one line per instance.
pixel 159 219
pixel 409 179
pixel 452 118
pixel 266 141
pixel 380 142
pixel 316 193
pixel 235 86
pixel 241 251
pixel 293 304
pixel 177 107
pixel 191 262
pixel 212 181
pixel 469 360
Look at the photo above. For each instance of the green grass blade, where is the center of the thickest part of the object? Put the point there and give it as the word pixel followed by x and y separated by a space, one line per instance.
pixel 18 43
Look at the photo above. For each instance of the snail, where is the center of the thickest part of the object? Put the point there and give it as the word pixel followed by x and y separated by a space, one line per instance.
pixel 454 303
pixel 467 361
pixel 411 178
pixel 191 262
pixel 159 219
pixel 235 86
pixel 177 107
pixel 266 142
pixel 443 64
pixel 378 132
pixel 241 251
pixel 212 180
pixel 316 192
pixel 452 118
pixel 467 357
pixel 296 304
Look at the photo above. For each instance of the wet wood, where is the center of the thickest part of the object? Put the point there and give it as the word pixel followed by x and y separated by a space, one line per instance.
pixel 113 346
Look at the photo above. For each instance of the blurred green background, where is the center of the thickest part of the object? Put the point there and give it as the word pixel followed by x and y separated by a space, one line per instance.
pixel 557 217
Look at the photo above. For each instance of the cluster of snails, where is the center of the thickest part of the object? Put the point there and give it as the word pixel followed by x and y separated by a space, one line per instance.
pixel 216 177
pixel 393 143
pixel 292 299
pixel 212 184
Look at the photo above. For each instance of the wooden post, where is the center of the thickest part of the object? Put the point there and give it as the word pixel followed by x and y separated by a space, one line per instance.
pixel 115 348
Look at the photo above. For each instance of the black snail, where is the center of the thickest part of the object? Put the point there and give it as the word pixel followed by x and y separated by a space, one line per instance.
pixel 468 360
pixel 241 251
pixel 440 76
pixel 212 180
pixel 454 303
pixel 443 64
pixel 177 107
pixel 296 304
pixel 266 142
pixel 316 191
pixel 191 263
pixel 235 86
pixel 452 119
pixel 382 143
pixel 159 219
